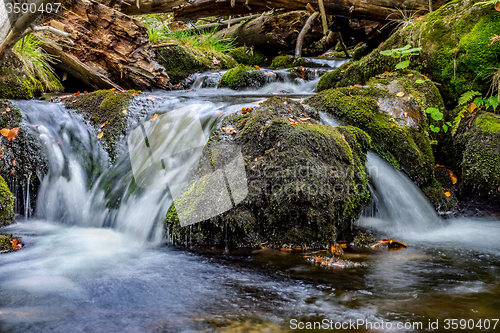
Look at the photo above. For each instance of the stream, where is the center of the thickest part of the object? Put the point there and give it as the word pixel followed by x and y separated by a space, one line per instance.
pixel 96 260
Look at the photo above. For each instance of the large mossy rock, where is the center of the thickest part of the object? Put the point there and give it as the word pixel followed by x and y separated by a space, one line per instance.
pixel 307 182
pixel 180 61
pixel 457 51
pixel 480 174
pixel 249 57
pixel 14 84
pixel 391 109
pixel 242 77
pixel 108 108
pixel 23 159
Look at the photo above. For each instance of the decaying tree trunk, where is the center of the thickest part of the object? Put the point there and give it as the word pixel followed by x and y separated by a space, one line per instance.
pixel 274 33
pixel 110 49
pixel 378 10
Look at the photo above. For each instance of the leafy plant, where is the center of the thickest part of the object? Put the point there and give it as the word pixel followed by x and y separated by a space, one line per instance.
pixel 471 101
pixel 403 53
pixel 37 63
pixel 438 116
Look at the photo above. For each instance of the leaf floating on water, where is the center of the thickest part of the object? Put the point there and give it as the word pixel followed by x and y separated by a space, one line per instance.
pixel 16 245
pixel 104 124
pixel 154 117
pixel 100 135
pixel 5 132
pixel 13 133
pixel 391 243
pixel 400 94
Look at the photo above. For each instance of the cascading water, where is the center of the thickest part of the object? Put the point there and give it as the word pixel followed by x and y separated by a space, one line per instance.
pixel 396 200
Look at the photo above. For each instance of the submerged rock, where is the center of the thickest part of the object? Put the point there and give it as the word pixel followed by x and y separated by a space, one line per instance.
pixel 242 77
pixel 457 51
pixel 292 180
pixel 391 109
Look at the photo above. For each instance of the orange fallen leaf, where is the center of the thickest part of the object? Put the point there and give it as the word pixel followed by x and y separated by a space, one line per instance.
pixel 215 61
pixel 293 122
pixel 13 133
pixel 447 193
pixel 74 101
pixel 151 99
pixel 7 109
pixel 391 243
pixel 264 247
pixel 63 98
pixel 471 107
pixel 77 93
pixel 258 67
pixel 100 135
pixel 425 77
pixel 439 166
pixel 318 259
pixel 454 178
pixel 112 89
pixel 5 132
pixel 342 71
pixel 338 264
pixel 410 74
pixel 400 94
pixel 104 124
pixel 124 111
pixel 285 249
pixel 497 6
pixel 154 117
pixel 85 92
pixel 135 94
pixel 16 244
pixel 246 110
pixel 14 162
pixel 385 73
pixel 304 119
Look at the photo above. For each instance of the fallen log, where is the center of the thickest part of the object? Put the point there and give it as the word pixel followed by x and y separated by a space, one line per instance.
pixel 378 10
pixel 111 50
pixel 302 34
pixel 219 24
pixel 274 33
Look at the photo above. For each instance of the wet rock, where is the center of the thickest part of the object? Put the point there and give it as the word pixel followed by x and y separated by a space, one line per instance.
pixel 391 109
pixel 242 77
pixel 6 204
pixel 480 167
pixel 299 182
pixel 23 159
pixel 105 107
pixel 180 61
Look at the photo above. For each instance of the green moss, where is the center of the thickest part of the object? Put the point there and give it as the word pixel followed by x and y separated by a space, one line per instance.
pixel 306 182
pixel 481 158
pixel 282 62
pixel 13 86
pixel 6 204
pixel 249 57
pixel 242 77
pixel 456 51
pixel 104 106
pixel 180 61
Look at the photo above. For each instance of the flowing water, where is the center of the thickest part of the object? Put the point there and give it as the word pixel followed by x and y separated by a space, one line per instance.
pixel 93 259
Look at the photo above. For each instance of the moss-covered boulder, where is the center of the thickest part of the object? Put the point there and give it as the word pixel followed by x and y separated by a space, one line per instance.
pixel 14 84
pixel 23 158
pixel 305 182
pixel 457 51
pixel 391 109
pixel 181 61
pixel 242 77
pixel 106 111
pixel 481 158
pixel 249 57
pixel 282 62
pixel 6 204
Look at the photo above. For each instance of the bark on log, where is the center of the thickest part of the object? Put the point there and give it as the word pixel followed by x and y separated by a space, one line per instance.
pixel 110 49
pixel 274 33
pixel 377 10
pixel 219 24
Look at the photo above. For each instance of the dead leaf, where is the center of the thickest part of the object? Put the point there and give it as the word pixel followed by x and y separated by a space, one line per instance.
pixel 5 132
pixel 7 109
pixel 293 122
pixel 85 92
pixel 124 111
pixel 447 193
pixel 400 94
pixel 63 98
pixel 318 259
pixel 285 249
pixel 13 133
pixel 135 94
pixel 454 178
pixel 410 74
pixel 154 117
pixel 112 89
pixel 74 101
pixel 471 107
pixel 439 166
pixel 385 73
pixel 338 264
pixel 342 71
pixel 258 67
pixel 392 244
pixel 215 61
pixel 497 6
pixel 151 99
pixel 16 244
pixel 77 93
pixel 246 110
pixel 100 135
pixel 304 119
pixel 104 124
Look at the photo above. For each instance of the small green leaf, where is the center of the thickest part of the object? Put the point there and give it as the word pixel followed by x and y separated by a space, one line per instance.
pixel 434 128
pixel 419 81
pixel 479 101
pixel 387 52
pixel 445 128
pixel 449 123
pixel 493 102
pixel 403 64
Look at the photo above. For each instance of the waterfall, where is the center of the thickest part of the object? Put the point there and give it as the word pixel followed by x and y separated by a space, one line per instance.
pixel 396 201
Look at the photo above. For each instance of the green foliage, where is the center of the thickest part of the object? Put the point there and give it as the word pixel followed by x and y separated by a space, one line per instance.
pixel 36 63
pixel 478 101
pixel 402 53
pixel 438 116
